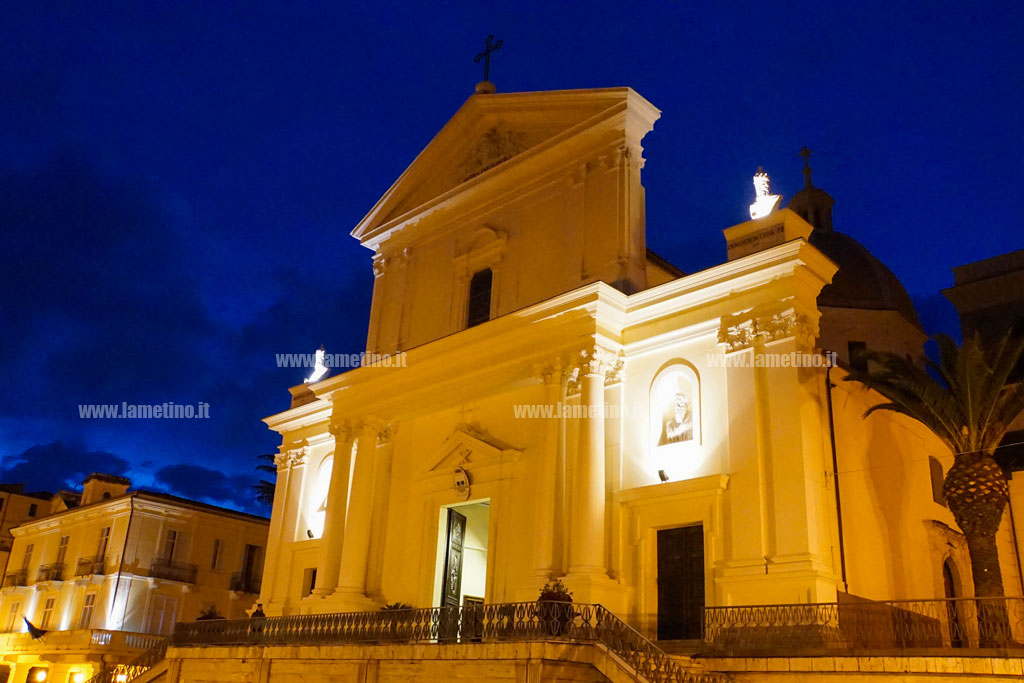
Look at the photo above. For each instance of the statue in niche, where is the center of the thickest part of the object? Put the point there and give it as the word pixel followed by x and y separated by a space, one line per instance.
pixel 677 425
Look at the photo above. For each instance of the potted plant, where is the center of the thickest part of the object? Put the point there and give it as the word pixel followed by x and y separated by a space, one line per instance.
pixel 554 608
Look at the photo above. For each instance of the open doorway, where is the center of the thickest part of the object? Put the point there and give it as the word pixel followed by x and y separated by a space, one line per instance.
pixel 460 570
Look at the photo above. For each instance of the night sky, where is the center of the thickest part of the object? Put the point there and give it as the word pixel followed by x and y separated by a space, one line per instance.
pixel 178 180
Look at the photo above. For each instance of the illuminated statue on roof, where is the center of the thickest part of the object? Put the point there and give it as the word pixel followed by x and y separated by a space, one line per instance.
pixel 765 202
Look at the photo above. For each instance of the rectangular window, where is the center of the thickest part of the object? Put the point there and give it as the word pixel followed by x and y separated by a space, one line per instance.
pixel 44 623
pixel 308 580
pixel 14 616
pixel 855 350
pixel 28 556
pixel 101 547
pixel 170 541
pixel 32 508
pixel 85 621
pixel 215 557
pixel 478 309
pixel 62 550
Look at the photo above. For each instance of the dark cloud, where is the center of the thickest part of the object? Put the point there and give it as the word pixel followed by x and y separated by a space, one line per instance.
pixel 59 465
pixel 210 486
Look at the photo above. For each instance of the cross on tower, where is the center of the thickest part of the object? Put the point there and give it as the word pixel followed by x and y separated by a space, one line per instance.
pixel 806 154
pixel 490 47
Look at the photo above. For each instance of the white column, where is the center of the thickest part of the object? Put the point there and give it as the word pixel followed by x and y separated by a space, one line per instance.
pixel 547 463
pixel 587 512
pixel 283 516
pixel 352 580
pixel 334 519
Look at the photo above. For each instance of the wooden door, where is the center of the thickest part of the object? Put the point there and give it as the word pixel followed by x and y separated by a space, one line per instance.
pixel 680 583
pixel 451 582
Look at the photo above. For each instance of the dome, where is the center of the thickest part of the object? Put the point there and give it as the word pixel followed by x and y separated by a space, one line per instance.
pixel 862 281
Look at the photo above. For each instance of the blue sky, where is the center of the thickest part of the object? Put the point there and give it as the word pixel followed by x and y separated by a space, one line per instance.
pixel 178 181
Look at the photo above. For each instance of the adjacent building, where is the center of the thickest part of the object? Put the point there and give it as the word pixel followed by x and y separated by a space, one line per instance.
pixel 110 576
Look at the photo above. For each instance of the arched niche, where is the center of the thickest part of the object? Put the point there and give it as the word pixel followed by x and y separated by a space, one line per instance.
pixel 675 429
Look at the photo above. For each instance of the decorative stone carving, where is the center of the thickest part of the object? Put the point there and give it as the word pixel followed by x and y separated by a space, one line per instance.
pixel 341 430
pixel 767 327
pixel 460 483
pixel 616 372
pixel 291 458
pixel 495 147
pixel 386 433
pixel 597 361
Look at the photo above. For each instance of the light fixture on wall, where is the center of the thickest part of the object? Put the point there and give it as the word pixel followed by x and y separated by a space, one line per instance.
pixel 309 533
pixel 662 475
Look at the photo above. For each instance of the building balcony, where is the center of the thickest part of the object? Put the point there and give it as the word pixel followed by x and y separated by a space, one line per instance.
pixel 245 584
pixel 18 578
pixel 51 572
pixel 117 643
pixel 173 571
pixel 89 566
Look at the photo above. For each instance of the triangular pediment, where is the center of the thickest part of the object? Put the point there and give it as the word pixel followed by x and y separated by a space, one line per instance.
pixel 469 449
pixel 490 132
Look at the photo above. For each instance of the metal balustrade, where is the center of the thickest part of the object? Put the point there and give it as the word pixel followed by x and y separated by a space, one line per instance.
pixel 18 578
pixel 855 624
pixel 509 622
pixel 51 572
pixel 163 568
pixel 88 566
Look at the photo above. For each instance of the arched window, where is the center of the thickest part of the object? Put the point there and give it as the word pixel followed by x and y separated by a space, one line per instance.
pixel 938 477
pixel 479 308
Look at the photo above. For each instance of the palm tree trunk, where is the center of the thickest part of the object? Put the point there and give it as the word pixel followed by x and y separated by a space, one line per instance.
pixel 993 619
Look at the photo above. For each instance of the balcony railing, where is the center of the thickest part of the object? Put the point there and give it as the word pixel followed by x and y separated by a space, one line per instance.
pixel 244 583
pixel 163 568
pixel 522 621
pixel 18 578
pixel 854 624
pixel 88 566
pixel 51 572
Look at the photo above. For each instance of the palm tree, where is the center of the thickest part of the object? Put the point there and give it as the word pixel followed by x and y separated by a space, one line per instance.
pixel 964 397
pixel 264 490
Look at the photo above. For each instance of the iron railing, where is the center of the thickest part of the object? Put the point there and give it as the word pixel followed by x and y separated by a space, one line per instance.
pixel 18 578
pixel 163 568
pixel 135 668
pixel 522 621
pixel 51 572
pixel 87 566
pixel 854 624
pixel 245 583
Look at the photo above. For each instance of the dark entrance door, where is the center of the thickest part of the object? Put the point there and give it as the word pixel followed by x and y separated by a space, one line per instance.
pixel 952 612
pixel 680 582
pixel 451 582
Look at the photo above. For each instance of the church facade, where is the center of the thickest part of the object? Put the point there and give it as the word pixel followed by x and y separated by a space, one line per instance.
pixel 571 406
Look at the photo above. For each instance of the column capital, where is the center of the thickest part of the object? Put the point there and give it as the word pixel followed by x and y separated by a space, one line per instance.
pixel 597 360
pixel 743 331
pixel 287 459
pixel 341 430
pixel 368 426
